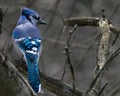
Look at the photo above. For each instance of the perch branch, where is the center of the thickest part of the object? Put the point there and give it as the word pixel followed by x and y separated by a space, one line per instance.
pixel 49 83
pixel 57 87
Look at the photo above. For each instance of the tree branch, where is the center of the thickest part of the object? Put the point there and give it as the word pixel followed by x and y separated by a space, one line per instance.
pixel 57 87
pixel 49 83
pixel 68 51
pixel 68 59
pixel 88 21
pixel 102 57
pixel 104 43
pixel 2 14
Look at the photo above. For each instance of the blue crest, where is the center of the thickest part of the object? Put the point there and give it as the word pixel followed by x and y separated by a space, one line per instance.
pixel 27 11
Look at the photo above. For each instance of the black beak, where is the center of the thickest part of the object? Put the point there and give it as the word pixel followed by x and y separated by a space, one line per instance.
pixel 42 22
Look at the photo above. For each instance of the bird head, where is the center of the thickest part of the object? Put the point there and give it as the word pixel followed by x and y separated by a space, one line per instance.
pixel 32 16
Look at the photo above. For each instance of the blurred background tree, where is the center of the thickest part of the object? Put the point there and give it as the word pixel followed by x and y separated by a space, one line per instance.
pixel 52 60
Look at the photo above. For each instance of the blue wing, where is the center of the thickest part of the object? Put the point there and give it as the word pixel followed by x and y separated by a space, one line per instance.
pixel 29 41
pixel 30 47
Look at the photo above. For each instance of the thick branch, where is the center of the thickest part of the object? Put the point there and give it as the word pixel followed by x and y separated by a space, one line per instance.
pixel 102 56
pixel 104 43
pixel 88 21
pixel 82 21
pixel 103 49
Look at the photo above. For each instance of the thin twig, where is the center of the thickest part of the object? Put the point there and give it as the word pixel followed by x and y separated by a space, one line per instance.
pixel 1 19
pixel 64 71
pixel 115 11
pixel 63 19
pixel 67 50
pixel 64 29
pixel 2 14
pixel 102 89
pixel 5 12
pixel 116 37
pixel 103 13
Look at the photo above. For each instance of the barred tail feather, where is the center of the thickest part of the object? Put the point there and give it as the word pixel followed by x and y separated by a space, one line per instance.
pixel 33 75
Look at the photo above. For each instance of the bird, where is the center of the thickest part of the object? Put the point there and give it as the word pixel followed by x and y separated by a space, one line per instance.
pixel 27 38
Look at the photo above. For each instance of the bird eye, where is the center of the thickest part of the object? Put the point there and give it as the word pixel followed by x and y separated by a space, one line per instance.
pixel 35 17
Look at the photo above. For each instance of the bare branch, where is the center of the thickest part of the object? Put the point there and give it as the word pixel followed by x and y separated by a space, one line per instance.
pixel 64 71
pixel 102 56
pixel 57 87
pixel 104 43
pixel 103 49
pixel 116 37
pixel 88 21
pixel 5 12
pixel 100 92
pixel 68 60
pixel 1 18
pixel 82 21
pixel 68 51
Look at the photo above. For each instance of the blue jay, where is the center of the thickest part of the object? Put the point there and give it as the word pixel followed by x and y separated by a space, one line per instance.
pixel 28 39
